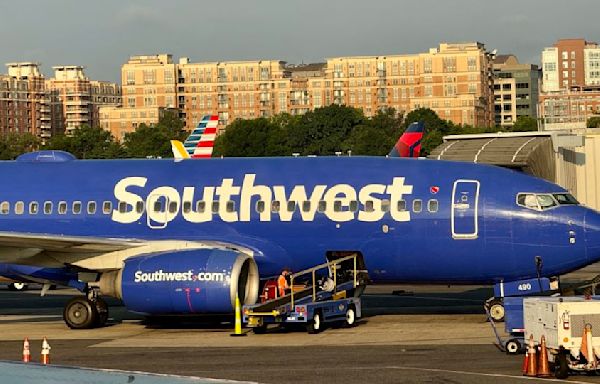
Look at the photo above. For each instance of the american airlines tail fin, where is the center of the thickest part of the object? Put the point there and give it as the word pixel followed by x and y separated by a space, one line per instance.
pixel 200 142
pixel 409 144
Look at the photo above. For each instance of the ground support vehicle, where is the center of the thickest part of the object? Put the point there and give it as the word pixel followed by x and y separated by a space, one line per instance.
pixel 513 325
pixel 323 294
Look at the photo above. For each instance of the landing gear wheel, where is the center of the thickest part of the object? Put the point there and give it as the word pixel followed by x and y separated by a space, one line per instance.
pixel 102 310
pixel 562 366
pixel 496 308
pixel 316 325
pixel 513 347
pixel 80 313
pixel 350 316
pixel 17 286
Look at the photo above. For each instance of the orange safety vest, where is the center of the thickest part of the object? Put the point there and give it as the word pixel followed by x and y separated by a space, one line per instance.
pixel 282 285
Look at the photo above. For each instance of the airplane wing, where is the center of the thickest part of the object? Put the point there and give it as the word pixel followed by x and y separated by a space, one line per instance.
pixel 92 253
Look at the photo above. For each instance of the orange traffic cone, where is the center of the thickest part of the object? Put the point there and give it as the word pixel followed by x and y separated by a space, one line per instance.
pixel 525 363
pixel 45 352
pixel 543 367
pixel 532 363
pixel 26 352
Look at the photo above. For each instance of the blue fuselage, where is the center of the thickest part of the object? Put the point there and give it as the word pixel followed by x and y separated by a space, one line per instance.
pixel 412 220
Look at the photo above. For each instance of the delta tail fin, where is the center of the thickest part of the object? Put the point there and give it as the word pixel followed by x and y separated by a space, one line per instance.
pixel 409 144
pixel 200 142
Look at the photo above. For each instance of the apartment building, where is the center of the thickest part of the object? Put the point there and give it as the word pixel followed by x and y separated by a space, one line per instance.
pixel 24 104
pixel 570 84
pixel 120 120
pixel 516 90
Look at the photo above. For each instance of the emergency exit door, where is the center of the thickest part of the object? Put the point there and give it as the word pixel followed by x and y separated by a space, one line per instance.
pixel 464 214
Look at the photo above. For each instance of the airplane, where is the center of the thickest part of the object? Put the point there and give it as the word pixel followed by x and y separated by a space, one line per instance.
pixel 200 142
pixel 187 237
pixel 409 144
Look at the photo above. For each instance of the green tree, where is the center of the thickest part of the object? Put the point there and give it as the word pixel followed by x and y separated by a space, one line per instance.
pixel 525 123
pixel 14 144
pixel 87 142
pixel 376 136
pixel 593 122
pixel 155 140
pixel 254 138
pixel 435 128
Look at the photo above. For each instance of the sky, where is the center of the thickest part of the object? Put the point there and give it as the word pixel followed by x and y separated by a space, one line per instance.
pixel 102 34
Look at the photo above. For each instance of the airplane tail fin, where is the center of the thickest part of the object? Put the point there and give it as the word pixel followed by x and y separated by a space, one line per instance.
pixel 409 144
pixel 200 142
pixel 179 151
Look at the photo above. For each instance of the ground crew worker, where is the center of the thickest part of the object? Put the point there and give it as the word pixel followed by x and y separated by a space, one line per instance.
pixel 282 284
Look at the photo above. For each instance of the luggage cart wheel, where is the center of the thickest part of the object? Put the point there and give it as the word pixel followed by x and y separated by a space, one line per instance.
pixel 512 346
pixel 496 309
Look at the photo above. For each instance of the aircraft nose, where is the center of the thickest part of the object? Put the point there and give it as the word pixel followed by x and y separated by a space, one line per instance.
pixel 592 234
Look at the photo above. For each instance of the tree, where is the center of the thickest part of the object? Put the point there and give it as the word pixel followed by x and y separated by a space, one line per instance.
pixel 155 140
pixel 376 136
pixel 14 144
pixel 86 142
pixel 525 123
pixel 254 138
pixel 593 122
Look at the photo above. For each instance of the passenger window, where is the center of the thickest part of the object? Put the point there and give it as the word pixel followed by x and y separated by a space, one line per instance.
pixel 158 206
pixel 5 207
pixel 337 206
pixel 173 206
pixel 385 205
pixel 401 205
pixel 76 207
pixel 187 206
pixel 353 206
pixel 91 207
pixel 369 206
pixel 200 206
pixel 417 205
pixel 62 207
pixel 19 207
pixel 322 207
pixel 432 205
pixel 291 206
pixel 215 207
pixel 122 207
pixel 306 206
pixel 107 207
pixel 260 206
pixel 34 207
pixel 48 207
pixel 275 206
pixel 230 207
pixel 139 207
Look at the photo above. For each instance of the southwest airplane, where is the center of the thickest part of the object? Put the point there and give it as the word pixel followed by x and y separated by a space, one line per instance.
pixel 189 236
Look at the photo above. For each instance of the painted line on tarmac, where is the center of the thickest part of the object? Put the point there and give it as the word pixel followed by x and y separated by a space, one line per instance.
pixel 480 374
pixel 423 298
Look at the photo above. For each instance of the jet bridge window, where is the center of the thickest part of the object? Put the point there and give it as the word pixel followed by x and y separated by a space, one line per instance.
pixel 5 207
pixel 62 207
pixel 107 207
pixel 19 208
pixel 91 207
pixel 48 208
pixel 76 208
pixel 34 207
pixel 417 205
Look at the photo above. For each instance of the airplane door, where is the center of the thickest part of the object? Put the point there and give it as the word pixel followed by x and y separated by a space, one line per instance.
pixel 157 211
pixel 464 214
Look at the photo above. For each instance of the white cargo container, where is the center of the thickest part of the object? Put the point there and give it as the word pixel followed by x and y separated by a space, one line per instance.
pixel 562 320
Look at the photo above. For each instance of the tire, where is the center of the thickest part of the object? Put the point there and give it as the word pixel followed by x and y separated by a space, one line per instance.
pixel 350 316
pixel 80 313
pixel 17 287
pixel 102 311
pixel 316 324
pixel 513 347
pixel 496 309
pixel 561 371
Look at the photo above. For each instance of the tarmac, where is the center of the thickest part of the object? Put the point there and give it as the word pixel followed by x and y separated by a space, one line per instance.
pixel 417 335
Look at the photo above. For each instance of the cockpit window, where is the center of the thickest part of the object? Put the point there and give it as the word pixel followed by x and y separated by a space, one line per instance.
pixel 565 199
pixel 527 200
pixel 546 201
pixel 538 201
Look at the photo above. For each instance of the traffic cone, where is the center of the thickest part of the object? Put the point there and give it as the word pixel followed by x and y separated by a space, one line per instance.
pixel 45 352
pixel 238 319
pixel 532 362
pixel 26 352
pixel 543 367
pixel 525 363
